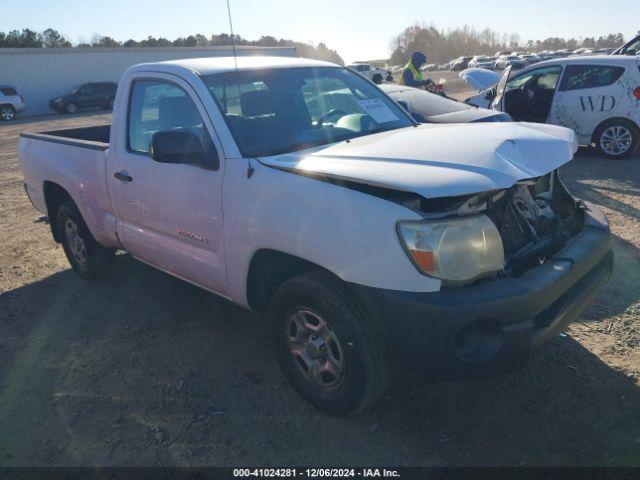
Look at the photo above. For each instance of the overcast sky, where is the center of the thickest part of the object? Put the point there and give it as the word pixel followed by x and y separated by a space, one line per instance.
pixel 357 29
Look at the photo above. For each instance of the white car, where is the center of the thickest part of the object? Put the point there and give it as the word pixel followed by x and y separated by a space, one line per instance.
pixel 11 102
pixel 529 58
pixel 376 75
pixel 482 61
pixel 513 61
pixel 597 97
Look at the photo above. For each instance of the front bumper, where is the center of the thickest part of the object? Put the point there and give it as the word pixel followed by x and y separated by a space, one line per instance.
pixel 493 327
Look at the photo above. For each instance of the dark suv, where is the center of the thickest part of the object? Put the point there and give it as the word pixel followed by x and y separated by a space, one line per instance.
pixel 99 94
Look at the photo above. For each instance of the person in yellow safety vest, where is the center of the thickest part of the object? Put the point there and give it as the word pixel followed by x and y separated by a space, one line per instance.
pixel 412 76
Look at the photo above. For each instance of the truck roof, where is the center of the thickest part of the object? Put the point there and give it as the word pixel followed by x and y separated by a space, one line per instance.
pixel 213 65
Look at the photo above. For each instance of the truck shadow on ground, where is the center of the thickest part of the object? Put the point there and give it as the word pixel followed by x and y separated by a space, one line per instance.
pixel 143 369
pixel 604 182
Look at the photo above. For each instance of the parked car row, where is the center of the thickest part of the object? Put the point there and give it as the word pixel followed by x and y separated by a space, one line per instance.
pixel 87 95
pixel 516 60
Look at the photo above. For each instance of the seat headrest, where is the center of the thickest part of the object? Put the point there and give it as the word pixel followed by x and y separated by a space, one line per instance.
pixel 177 112
pixel 257 103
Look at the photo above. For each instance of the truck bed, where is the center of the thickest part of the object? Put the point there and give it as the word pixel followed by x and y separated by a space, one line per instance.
pixel 96 137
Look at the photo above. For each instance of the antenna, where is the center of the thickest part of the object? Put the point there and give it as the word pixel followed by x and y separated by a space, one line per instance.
pixel 233 37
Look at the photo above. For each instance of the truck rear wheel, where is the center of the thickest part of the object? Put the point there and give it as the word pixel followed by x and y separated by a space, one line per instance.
pixel 326 345
pixel 87 257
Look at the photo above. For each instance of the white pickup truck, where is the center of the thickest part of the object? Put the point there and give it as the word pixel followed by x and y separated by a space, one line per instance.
pixel 298 188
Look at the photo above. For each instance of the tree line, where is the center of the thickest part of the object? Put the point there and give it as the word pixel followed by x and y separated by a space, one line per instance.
pixel 51 38
pixel 442 46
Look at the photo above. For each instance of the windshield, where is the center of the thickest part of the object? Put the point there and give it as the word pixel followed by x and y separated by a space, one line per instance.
pixel 271 112
pixel 427 104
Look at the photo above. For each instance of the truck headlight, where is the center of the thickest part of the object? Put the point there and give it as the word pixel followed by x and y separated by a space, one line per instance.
pixel 456 251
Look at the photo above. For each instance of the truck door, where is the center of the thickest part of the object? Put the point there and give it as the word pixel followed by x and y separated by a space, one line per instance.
pixel 169 214
pixel 587 96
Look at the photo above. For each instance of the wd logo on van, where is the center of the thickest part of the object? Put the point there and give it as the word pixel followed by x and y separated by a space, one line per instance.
pixel 601 103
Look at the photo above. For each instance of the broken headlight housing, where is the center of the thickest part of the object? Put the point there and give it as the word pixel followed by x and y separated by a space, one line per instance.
pixel 457 251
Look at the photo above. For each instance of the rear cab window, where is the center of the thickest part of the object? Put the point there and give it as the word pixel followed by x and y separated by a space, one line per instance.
pixel 579 77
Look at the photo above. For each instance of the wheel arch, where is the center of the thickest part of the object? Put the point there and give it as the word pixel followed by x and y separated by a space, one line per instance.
pixel 596 130
pixel 268 270
pixel 54 196
pixel 4 105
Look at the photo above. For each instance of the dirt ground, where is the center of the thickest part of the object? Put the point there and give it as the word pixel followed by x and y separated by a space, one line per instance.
pixel 143 369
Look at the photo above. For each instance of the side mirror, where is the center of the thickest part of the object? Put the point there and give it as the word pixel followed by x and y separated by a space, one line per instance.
pixel 181 147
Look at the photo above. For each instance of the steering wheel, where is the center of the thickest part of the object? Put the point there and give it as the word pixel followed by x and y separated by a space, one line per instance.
pixel 329 114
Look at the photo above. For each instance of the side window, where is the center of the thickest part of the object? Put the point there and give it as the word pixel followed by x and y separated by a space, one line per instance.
pixel 156 106
pixel 579 77
pixel 541 78
pixel 86 90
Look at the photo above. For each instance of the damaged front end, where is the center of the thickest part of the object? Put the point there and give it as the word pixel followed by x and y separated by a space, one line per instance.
pixel 535 218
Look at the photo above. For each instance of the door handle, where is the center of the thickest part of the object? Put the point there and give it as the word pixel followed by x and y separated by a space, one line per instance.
pixel 123 177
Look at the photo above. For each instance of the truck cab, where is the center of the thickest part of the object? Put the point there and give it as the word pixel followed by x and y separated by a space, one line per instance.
pixel 298 189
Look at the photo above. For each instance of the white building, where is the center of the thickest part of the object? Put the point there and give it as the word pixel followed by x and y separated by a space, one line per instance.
pixel 41 74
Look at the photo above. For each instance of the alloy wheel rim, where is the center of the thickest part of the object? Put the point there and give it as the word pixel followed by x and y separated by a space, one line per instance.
pixel 71 108
pixel 75 242
pixel 616 140
pixel 6 114
pixel 316 349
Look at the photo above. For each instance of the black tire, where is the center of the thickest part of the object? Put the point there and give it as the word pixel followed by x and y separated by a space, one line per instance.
pixel 97 260
pixel 602 138
pixel 366 368
pixel 377 79
pixel 7 113
pixel 71 108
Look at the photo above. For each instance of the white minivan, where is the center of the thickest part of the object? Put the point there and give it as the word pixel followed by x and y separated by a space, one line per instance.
pixel 597 97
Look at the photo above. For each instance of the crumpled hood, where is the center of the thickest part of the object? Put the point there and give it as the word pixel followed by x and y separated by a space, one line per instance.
pixel 439 160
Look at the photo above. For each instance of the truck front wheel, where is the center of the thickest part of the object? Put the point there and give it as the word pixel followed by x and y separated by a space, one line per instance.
pixel 327 347
pixel 87 257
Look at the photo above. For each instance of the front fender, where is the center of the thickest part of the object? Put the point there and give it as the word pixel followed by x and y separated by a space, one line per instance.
pixel 349 233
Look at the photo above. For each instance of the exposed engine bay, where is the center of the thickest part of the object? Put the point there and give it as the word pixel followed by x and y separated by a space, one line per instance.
pixel 535 218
